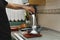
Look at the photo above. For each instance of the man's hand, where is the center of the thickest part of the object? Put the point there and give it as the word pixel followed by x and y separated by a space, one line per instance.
pixel 19 6
pixel 30 9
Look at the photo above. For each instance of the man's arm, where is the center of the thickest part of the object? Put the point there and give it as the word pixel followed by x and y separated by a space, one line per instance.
pixel 14 6
pixel 19 6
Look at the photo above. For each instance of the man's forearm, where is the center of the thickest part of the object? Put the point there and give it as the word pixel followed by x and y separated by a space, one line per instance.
pixel 19 6
pixel 15 6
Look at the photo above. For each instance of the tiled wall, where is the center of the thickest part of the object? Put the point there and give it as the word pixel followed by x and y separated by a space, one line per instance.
pixel 49 15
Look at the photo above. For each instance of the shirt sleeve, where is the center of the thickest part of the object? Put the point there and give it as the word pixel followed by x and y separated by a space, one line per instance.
pixel 5 3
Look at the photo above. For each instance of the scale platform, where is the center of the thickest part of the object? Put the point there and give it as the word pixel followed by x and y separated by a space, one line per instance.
pixel 31 35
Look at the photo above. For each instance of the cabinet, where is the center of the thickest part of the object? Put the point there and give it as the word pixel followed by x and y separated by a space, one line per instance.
pixel 37 2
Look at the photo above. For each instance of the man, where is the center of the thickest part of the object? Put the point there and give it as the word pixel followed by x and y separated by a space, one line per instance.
pixel 5 32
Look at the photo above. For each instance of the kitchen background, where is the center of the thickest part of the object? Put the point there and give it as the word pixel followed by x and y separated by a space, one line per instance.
pixel 48 14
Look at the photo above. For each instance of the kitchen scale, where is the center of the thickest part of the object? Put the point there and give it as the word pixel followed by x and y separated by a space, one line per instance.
pixel 34 30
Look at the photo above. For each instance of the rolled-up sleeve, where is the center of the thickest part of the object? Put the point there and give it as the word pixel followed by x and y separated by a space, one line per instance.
pixel 5 3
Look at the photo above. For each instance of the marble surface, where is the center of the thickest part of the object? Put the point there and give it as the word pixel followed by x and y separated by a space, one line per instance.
pixel 46 35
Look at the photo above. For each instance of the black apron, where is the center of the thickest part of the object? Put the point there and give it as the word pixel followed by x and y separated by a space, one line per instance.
pixel 5 32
